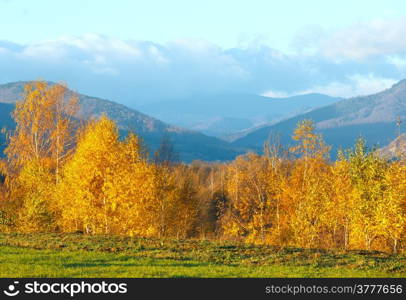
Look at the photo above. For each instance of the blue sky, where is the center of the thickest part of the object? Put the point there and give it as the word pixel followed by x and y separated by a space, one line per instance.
pixel 135 51
pixel 225 23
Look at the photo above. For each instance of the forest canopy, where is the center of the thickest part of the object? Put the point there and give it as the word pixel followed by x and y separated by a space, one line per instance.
pixel 60 175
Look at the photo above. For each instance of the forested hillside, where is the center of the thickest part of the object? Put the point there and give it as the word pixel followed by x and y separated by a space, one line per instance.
pixel 189 144
pixel 293 196
pixel 371 117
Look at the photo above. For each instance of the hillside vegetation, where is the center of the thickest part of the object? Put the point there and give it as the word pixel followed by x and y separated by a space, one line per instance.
pixel 395 149
pixel 372 117
pixel 61 179
pixel 190 145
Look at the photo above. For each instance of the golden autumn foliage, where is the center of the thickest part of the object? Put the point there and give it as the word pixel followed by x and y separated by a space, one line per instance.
pixel 357 202
pixel 252 207
pixel 176 201
pixel 105 182
pixel 62 177
pixel 44 125
pixel 41 143
pixel 35 190
pixel 109 187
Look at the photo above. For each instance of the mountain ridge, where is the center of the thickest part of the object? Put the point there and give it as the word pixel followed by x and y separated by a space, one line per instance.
pixel 222 115
pixel 372 117
pixel 190 144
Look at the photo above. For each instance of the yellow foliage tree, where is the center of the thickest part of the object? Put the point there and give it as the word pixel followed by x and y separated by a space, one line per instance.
pixel 36 150
pixel 35 189
pixel 391 212
pixel 308 191
pixel 44 125
pixel 341 206
pixel 367 171
pixel 252 209
pixel 176 201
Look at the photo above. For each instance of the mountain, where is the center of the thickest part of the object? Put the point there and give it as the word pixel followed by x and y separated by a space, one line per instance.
pixel 5 122
pixel 5 114
pixel 190 144
pixel 372 117
pixel 396 148
pixel 222 115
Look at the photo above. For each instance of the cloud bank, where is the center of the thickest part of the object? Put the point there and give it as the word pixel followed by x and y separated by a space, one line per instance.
pixel 361 59
pixel 366 40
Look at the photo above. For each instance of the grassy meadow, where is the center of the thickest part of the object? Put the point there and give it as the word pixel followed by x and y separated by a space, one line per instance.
pixel 76 255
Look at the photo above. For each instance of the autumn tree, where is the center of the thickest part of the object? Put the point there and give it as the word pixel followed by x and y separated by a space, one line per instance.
pixel 36 150
pixel 251 210
pixel 176 201
pixel 109 183
pixel 391 212
pixel 7 211
pixel 166 154
pixel 115 189
pixel 340 210
pixel 44 125
pixel 309 143
pixel 307 191
pixel 209 180
pixel 36 194
pixel 367 171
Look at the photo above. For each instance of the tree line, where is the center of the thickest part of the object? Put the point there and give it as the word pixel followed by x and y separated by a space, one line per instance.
pixel 61 175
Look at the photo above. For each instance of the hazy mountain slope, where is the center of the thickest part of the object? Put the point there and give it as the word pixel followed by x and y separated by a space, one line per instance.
pixel 395 149
pixel 190 144
pixel 221 127
pixel 372 117
pixel 381 107
pixel 11 92
pixel 5 122
pixel 5 115
pixel 221 115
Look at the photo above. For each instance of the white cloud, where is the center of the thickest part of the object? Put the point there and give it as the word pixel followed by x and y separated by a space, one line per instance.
pixel 87 45
pixel 368 39
pixel 275 94
pixel 195 46
pixel 157 55
pixel 356 85
pixel 399 62
pixel 133 72
pixel 129 69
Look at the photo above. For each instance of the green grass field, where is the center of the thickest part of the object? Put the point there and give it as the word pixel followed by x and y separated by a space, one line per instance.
pixel 75 255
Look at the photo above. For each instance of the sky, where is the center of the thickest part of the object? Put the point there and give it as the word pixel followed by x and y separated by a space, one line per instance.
pixel 137 51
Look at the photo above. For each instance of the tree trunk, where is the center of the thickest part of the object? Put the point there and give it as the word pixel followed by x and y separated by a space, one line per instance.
pixel 106 226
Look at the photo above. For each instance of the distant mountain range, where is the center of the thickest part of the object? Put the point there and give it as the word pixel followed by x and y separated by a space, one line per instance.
pixel 372 117
pixel 190 144
pixel 224 115
pixel 341 121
